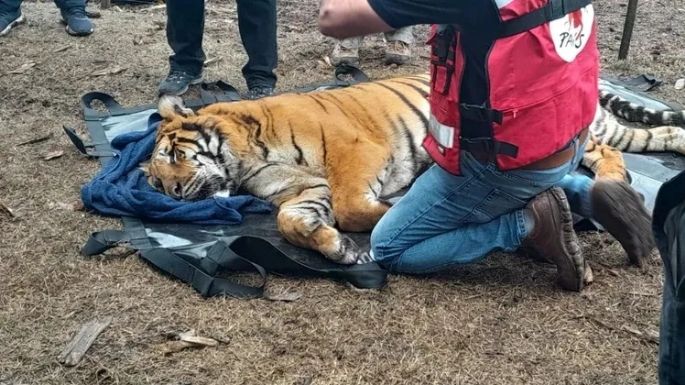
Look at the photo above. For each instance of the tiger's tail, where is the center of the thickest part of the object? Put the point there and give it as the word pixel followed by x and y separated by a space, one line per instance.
pixel 633 112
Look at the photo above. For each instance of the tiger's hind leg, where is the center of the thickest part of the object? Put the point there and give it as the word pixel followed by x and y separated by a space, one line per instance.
pixel 357 177
pixel 305 216
pixel 604 161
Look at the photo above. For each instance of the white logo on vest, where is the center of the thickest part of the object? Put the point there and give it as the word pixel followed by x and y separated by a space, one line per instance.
pixel 571 32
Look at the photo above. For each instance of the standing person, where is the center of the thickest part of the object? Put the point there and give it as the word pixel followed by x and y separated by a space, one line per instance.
pixel 73 14
pixel 514 88
pixel 669 231
pixel 185 29
pixel 397 48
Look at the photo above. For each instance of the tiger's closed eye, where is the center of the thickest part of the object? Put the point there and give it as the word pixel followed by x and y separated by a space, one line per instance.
pixel 179 155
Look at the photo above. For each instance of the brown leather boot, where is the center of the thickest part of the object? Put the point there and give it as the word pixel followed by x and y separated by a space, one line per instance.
pixel 619 209
pixel 554 240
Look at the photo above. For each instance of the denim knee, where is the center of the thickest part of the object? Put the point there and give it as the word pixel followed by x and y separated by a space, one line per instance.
pixel 381 250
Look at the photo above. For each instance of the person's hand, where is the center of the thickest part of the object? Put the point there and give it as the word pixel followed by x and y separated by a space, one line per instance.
pixel 347 18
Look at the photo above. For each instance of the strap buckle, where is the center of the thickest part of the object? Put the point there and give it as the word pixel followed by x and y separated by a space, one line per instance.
pixel 480 113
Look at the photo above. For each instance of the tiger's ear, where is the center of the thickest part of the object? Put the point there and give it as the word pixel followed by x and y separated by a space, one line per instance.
pixel 171 106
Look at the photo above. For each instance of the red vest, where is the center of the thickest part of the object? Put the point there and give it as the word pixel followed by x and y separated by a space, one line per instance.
pixel 539 84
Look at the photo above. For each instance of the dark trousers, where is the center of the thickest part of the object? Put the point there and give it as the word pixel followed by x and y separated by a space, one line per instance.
pixel 669 230
pixel 13 5
pixel 257 23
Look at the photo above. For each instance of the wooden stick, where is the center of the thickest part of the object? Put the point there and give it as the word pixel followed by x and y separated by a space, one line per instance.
pixel 79 345
pixel 627 29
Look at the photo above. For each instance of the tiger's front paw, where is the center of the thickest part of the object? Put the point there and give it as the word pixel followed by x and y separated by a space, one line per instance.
pixel 348 252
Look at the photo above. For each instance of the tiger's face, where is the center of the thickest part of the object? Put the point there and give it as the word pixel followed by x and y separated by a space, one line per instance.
pixel 190 160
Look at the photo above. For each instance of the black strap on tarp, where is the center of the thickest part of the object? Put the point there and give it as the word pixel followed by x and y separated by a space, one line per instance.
pixel 234 254
pixel 553 10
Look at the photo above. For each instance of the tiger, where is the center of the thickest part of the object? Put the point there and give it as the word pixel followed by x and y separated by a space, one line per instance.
pixel 328 160
pixel 609 138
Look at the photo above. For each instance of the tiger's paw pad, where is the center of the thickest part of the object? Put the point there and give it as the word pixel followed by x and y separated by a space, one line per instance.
pixel 349 252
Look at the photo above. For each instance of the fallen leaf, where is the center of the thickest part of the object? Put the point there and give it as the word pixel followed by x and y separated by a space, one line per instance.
pixel 327 60
pixel 76 205
pixel 109 71
pixel 36 140
pixel 650 336
pixel 213 60
pixel 81 342
pixel 6 210
pixel 53 155
pixel 24 67
pixel 176 346
pixel 284 297
pixel 680 84
pixel 192 337
pixel 632 331
pixel 61 49
pixel 93 14
pixel 186 340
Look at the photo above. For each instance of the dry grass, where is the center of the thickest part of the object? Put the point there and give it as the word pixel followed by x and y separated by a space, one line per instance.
pixel 501 321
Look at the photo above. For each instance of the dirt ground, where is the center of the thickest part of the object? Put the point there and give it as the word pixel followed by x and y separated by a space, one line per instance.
pixel 501 321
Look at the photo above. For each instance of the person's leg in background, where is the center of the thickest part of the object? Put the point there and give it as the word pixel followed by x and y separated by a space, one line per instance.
pixel 184 31
pixel 669 231
pixel 257 24
pixel 74 16
pixel 346 51
pixel 399 43
pixel 10 15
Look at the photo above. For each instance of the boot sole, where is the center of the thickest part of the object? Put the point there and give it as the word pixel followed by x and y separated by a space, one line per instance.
pixel 629 222
pixel 581 272
pixel 13 24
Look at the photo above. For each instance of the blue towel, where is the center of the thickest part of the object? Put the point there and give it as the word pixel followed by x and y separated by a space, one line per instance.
pixel 121 189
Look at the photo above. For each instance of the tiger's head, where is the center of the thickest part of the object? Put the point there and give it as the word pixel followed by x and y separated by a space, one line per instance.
pixel 191 160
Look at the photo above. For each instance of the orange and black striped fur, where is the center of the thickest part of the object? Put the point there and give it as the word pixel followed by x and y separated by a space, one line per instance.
pixel 324 159
pixel 610 137
pixel 327 159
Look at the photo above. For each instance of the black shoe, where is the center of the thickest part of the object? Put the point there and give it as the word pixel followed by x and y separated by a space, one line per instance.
pixel 258 92
pixel 177 83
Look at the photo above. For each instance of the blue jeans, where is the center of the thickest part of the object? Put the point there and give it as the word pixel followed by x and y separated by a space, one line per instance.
pixel 445 220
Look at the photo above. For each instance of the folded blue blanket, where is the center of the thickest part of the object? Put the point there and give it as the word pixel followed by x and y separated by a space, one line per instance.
pixel 121 189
